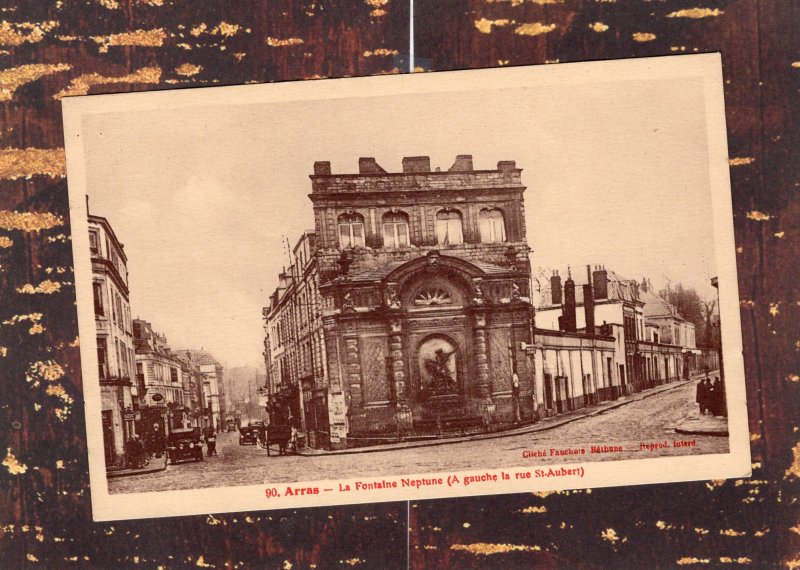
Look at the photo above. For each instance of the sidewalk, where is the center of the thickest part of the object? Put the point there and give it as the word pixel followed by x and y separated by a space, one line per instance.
pixel 156 464
pixel 542 425
pixel 695 424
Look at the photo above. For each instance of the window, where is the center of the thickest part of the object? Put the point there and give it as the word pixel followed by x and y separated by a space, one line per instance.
pixel 492 226
pixel 98 298
pixel 448 227
pixel 101 358
pixel 395 230
pixel 351 230
pixel 94 243
pixel 173 374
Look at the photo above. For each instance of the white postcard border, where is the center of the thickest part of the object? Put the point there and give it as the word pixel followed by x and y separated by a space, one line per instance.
pixel 736 463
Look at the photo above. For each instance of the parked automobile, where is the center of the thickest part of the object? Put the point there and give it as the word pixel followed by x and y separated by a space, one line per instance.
pixel 184 444
pixel 248 435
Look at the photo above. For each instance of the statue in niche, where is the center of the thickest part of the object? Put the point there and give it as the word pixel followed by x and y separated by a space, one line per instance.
pixel 441 377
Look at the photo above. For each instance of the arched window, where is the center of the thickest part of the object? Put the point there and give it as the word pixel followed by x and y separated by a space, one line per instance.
pixel 395 229
pixel 351 230
pixel 448 227
pixel 492 226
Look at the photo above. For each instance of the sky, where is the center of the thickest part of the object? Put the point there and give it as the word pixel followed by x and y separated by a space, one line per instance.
pixel 203 197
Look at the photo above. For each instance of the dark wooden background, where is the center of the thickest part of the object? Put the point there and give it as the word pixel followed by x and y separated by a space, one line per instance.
pixel 50 48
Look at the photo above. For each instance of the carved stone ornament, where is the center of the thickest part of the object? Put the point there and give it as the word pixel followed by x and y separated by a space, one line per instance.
pixel 477 292
pixel 348 306
pixel 433 260
pixel 392 300
pixel 515 295
pixel 511 258
pixel 344 262
pixel 433 296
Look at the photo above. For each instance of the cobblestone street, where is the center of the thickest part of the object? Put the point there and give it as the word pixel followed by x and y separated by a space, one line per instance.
pixel 646 422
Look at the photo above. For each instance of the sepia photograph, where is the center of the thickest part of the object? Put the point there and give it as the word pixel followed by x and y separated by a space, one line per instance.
pixel 420 286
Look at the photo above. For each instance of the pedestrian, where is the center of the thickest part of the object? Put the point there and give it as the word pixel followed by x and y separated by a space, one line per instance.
pixel 211 442
pixel 262 434
pixel 159 442
pixel 137 458
pixel 703 395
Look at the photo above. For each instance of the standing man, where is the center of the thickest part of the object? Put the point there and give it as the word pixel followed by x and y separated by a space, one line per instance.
pixel 211 442
pixel 703 395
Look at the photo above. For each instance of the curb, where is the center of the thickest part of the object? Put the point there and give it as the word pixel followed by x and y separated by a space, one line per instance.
pixel 537 427
pixel 130 472
pixel 702 431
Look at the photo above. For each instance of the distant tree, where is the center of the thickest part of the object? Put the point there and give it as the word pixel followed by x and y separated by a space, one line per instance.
pixel 687 302
pixel 694 309
pixel 709 333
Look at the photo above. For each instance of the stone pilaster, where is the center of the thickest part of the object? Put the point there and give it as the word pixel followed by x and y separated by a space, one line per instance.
pixel 484 388
pixel 403 415
pixel 398 364
pixel 354 372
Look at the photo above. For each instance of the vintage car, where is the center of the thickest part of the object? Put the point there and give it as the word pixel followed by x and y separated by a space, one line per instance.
pixel 248 435
pixel 184 444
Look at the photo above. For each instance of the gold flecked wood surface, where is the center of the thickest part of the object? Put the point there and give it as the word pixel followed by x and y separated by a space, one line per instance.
pixel 51 48
pixel 751 522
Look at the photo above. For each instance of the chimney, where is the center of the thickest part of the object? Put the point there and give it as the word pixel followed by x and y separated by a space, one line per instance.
pixel 463 163
pixel 555 288
pixel 368 165
pixel 588 308
pixel 506 165
pixel 416 164
pixel 600 281
pixel 570 323
pixel 322 168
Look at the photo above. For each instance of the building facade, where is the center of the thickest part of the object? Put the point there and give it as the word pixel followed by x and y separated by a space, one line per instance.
pixel 193 381
pixel 115 347
pixel 658 344
pixel 164 401
pixel 294 344
pixel 211 374
pixel 422 279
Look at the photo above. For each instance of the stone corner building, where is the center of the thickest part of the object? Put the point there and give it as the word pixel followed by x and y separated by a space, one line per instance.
pixel 408 306
pixel 115 355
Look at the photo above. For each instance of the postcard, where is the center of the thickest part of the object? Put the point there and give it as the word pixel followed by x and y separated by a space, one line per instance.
pixel 406 287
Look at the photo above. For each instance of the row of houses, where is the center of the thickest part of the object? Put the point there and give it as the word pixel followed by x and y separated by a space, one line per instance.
pixel 146 387
pixel 409 309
